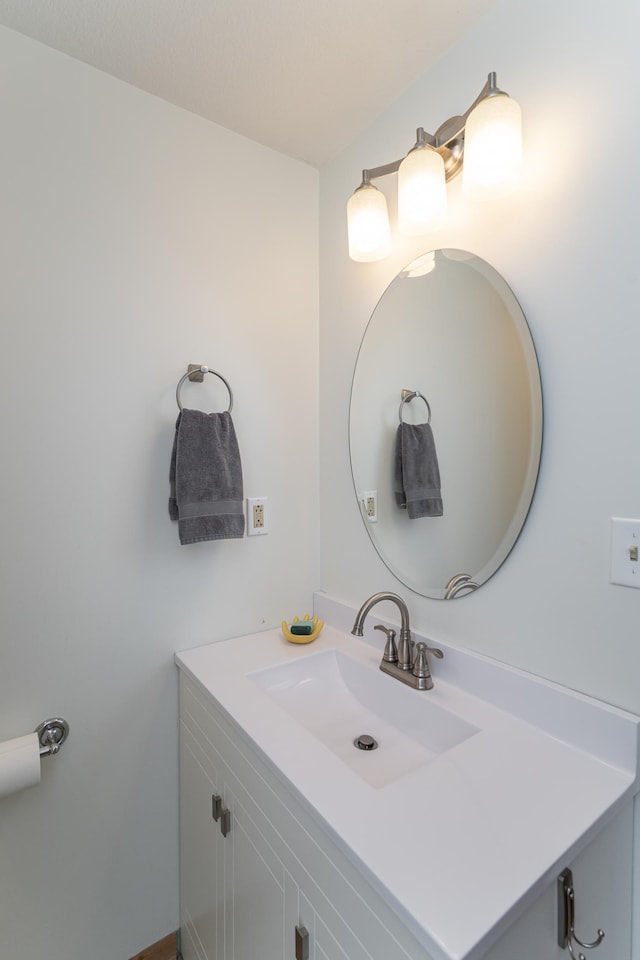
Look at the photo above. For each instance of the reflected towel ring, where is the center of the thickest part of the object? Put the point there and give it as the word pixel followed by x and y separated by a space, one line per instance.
pixel 197 373
pixel 407 397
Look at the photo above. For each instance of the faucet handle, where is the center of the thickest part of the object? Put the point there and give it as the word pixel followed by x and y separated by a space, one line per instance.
pixel 421 665
pixel 390 650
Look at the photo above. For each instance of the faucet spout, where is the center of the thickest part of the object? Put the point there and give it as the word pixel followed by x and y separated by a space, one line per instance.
pixel 405 649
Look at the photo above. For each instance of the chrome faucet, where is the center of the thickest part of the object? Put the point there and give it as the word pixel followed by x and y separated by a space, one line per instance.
pixel 460 583
pixel 400 662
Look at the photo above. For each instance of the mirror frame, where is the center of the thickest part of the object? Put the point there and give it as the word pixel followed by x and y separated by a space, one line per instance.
pixel 533 450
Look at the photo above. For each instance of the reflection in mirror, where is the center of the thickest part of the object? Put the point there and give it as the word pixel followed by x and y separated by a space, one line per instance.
pixel 449 330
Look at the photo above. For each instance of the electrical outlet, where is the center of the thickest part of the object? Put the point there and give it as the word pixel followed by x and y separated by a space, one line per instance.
pixel 625 540
pixel 257 516
pixel 370 501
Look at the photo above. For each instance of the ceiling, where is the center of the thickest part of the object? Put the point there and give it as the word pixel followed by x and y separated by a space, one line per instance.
pixel 301 76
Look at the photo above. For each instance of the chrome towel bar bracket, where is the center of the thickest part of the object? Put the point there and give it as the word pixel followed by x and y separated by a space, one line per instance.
pixel 52 734
pixel 195 373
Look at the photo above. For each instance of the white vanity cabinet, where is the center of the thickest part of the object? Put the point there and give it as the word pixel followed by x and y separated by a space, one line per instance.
pixel 279 868
pixel 244 894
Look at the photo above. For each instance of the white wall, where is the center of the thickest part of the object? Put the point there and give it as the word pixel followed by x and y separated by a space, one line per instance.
pixel 134 238
pixel 567 245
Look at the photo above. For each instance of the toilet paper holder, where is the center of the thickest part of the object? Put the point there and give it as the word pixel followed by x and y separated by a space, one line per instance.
pixel 51 735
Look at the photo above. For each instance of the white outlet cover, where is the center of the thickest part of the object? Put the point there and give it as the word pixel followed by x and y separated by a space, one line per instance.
pixel 373 495
pixel 264 529
pixel 625 535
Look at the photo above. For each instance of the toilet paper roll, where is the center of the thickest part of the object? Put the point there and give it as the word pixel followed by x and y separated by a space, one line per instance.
pixel 19 764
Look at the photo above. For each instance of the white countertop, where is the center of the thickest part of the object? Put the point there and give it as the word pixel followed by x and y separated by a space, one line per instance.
pixel 462 845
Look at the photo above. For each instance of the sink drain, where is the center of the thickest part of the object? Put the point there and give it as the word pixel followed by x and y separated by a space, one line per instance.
pixel 365 742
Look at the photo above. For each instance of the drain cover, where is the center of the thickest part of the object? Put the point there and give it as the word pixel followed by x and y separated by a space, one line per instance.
pixel 365 742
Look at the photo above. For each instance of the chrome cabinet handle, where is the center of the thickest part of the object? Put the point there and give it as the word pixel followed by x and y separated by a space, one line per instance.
pixel 302 943
pixel 220 813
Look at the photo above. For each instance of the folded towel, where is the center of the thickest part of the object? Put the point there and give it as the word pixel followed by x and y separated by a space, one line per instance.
pixel 416 475
pixel 206 478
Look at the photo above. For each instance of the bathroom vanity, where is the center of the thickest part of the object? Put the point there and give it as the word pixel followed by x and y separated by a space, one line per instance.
pixel 446 842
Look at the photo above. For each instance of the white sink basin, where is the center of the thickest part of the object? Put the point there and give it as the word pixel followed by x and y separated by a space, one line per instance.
pixel 337 699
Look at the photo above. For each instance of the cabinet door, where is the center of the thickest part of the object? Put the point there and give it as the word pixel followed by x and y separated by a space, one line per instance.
pixel 254 890
pixel 322 944
pixel 201 873
pixel 327 947
pixel 329 936
pixel 602 877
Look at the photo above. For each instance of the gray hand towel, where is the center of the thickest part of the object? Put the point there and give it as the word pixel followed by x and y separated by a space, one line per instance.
pixel 416 475
pixel 206 478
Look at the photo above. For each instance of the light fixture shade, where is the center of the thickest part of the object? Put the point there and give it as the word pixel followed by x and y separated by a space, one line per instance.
pixel 368 225
pixel 492 148
pixel 422 192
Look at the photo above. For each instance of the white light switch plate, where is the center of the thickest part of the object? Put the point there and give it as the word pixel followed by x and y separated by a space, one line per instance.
pixel 625 549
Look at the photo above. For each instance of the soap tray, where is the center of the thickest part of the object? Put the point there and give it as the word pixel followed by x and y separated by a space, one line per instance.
pixel 316 624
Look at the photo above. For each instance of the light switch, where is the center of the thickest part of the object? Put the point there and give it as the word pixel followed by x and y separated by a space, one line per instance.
pixel 625 540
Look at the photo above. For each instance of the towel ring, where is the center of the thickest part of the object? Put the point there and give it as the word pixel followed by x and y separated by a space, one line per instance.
pixel 407 397
pixel 197 373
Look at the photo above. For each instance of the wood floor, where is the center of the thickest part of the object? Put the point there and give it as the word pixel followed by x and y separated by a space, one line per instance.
pixel 162 950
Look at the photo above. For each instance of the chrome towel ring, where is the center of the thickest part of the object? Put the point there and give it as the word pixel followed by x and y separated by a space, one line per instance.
pixel 196 373
pixel 407 397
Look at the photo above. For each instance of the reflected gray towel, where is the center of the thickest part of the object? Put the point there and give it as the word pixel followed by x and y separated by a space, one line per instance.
pixel 206 478
pixel 416 475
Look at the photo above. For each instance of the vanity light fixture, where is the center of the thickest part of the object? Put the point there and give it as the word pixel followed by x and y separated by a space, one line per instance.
pixel 485 143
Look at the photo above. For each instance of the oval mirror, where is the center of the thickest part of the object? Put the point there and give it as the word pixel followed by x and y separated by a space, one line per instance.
pixel 449 330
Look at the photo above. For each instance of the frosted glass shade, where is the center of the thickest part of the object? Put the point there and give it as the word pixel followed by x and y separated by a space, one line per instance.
pixel 368 225
pixel 422 192
pixel 492 149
